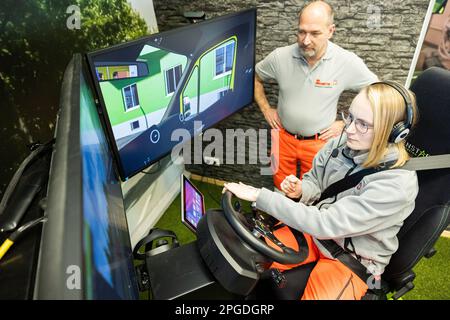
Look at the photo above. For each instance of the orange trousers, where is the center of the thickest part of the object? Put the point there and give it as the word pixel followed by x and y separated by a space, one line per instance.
pixel 329 280
pixel 287 151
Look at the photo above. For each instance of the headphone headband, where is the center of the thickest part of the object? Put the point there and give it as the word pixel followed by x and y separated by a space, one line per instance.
pixel 401 129
pixel 153 235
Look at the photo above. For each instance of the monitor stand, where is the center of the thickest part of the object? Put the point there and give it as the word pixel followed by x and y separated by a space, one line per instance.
pixel 180 273
pixel 148 195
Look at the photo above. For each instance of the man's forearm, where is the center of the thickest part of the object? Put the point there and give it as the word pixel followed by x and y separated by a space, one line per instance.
pixel 260 96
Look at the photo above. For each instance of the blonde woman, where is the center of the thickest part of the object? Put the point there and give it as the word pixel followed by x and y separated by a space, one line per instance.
pixel 363 220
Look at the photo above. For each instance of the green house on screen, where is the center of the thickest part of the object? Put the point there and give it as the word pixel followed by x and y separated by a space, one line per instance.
pixel 137 94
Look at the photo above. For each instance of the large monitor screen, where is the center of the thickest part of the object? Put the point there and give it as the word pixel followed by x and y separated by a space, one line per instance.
pixel 108 260
pixel 85 248
pixel 150 87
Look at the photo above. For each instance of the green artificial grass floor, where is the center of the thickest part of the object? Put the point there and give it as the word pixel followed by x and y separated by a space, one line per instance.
pixel 432 275
pixel 171 220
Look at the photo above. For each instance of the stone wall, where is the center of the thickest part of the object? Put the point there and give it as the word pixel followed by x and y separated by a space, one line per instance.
pixel 383 33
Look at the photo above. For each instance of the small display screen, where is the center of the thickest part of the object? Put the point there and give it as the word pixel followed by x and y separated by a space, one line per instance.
pixel 193 207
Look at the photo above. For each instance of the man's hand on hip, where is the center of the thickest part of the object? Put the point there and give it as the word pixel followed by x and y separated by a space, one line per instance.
pixel 272 118
pixel 333 131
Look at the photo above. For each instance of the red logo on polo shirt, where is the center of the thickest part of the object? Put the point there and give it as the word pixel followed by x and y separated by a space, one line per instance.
pixel 325 84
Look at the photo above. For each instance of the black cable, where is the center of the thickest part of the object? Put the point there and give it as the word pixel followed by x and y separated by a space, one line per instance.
pixel 22 229
pixel 332 151
pixel 37 150
pixel 204 166
pixel 4 247
pixel 213 197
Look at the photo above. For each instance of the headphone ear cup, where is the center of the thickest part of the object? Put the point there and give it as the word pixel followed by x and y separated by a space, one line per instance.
pixel 401 129
pixel 147 242
pixel 165 246
pixel 160 249
pixel 399 132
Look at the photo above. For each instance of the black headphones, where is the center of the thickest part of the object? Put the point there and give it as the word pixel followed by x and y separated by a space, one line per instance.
pixel 162 245
pixel 401 129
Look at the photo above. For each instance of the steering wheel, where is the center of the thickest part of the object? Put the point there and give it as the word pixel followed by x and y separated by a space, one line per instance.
pixel 238 223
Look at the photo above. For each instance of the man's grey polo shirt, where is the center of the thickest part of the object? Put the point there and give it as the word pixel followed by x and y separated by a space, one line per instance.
pixel 308 97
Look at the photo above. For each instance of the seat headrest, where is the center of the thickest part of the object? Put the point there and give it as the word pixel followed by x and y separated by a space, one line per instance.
pixel 432 133
pixel 431 136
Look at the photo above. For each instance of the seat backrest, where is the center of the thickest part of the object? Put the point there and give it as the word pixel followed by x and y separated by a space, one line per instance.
pixel 431 136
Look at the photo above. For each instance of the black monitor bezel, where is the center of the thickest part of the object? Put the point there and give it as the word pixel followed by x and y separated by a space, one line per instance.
pixel 63 208
pixel 62 240
pixel 101 102
pixel 184 219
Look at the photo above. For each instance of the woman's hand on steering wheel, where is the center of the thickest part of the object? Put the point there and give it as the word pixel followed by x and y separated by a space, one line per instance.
pixel 242 191
pixel 246 231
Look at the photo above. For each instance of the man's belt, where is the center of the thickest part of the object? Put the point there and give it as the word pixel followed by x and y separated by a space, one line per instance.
pixel 300 137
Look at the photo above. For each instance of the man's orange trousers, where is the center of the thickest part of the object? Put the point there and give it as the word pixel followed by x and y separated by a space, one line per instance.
pixel 287 151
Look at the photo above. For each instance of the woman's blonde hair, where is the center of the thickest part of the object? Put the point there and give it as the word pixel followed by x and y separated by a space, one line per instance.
pixel 388 107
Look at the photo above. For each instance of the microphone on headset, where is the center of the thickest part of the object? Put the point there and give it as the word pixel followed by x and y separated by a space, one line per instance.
pixel 335 152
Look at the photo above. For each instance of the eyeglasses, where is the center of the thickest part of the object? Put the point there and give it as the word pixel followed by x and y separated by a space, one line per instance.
pixel 361 126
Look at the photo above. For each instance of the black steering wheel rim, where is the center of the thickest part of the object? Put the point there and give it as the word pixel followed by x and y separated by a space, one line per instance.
pixel 259 245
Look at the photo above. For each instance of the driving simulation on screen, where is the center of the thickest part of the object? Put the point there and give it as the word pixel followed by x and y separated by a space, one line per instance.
pixel 150 87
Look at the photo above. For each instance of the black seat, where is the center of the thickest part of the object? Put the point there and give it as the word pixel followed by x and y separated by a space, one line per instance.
pixel 431 215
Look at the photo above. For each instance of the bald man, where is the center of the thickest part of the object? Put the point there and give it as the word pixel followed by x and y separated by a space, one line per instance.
pixel 311 75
